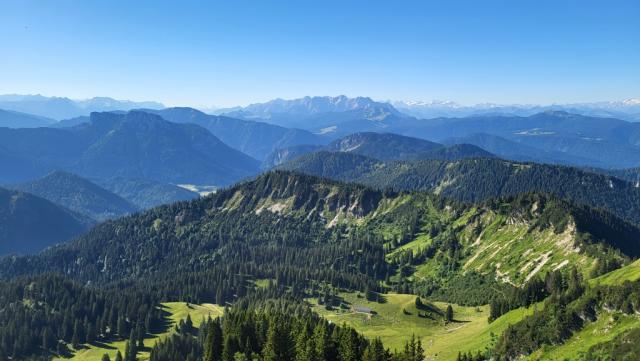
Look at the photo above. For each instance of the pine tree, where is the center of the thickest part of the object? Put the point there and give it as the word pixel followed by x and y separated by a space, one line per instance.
pixel 130 350
pixel 348 348
pixel 229 347
pixel 302 344
pixel 449 314
pixel 118 356
pixel 321 341
pixel 122 327
pixel 277 345
pixel 105 357
pixel 46 336
pixel 213 342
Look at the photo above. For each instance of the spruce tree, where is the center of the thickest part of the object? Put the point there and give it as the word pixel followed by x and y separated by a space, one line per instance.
pixel 213 342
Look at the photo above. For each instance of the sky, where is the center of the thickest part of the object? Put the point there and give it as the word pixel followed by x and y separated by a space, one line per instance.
pixel 235 52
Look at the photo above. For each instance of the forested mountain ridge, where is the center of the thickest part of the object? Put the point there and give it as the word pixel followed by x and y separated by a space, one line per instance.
pixel 306 213
pixel 309 235
pixel 78 194
pixel 382 146
pixel 29 223
pixel 472 180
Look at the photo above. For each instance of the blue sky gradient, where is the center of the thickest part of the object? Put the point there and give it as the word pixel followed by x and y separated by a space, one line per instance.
pixel 238 52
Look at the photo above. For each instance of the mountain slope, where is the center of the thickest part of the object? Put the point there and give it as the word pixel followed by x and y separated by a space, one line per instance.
pixel 132 145
pixel 146 194
pixel 472 180
pixel 19 168
pixel 383 146
pixel 256 139
pixel 143 145
pixel 79 195
pixel 512 150
pixel 13 119
pixel 283 155
pixel 29 223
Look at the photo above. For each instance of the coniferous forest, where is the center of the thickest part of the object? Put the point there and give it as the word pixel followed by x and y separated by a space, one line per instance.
pixel 312 240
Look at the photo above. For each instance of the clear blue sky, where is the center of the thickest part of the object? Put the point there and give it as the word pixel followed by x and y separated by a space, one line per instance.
pixel 237 52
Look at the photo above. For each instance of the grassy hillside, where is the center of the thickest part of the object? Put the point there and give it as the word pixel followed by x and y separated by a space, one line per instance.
pixel 397 318
pixel 630 272
pixel 608 327
pixel 176 311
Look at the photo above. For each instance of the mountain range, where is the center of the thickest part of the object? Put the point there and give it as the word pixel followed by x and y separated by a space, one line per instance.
pixel 330 116
pixel 59 108
pixel 453 228
pixel 256 139
pixel 595 141
pixel 544 134
pixel 628 109
pixel 132 145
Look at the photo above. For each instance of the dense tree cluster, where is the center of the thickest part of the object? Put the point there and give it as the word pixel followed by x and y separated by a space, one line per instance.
pixel 278 331
pixel 50 314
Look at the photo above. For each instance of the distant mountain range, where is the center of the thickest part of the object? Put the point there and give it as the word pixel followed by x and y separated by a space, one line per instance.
pixel 132 145
pixel 29 223
pixel 332 116
pixel 581 140
pixel 548 135
pixel 278 130
pixel 628 109
pixel 62 108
